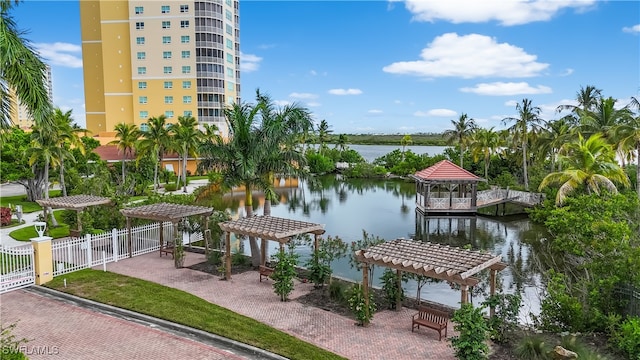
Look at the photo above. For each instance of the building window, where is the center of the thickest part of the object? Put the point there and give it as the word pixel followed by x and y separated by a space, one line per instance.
pixel 142 100
pixel 139 10
pixel 186 54
pixel 139 25
pixel 168 84
pixel 184 39
pixel 186 69
pixel 187 113
pixel 184 8
pixel 229 29
pixel 143 115
pixel 186 99
pixel 229 44
pixel 140 40
pixel 228 2
pixel 166 9
pixel 142 70
pixel 228 15
pixel 168 70
pixel 168 114
pixel 166 54
pixel 230 58
pixel 184 24
pixel 229 72
pixel 141 55
pixel 168 99
pixel 142 84
pixel 166 39
pixel 230 86
pixel 166 24
pixel 186 84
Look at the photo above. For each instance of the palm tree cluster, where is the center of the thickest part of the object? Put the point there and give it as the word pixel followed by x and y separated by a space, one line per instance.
pixel 586 149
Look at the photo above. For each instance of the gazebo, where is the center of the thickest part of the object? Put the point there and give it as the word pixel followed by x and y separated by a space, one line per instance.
pixel 173 213
pixel 74 202
pixel 267 228
pixel 446 188
pixel 453 264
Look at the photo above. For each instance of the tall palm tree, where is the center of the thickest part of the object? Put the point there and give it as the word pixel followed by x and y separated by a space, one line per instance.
pixel 22 71
pixel 155 142
pixel 44 148
pixel 67 135
pixel 528 117
pixel 462 130
pixel 324 132
pixel 553 136
pixel 587 98
pixel 603 118
pixel 628 134
pixel 586 162
pixel 404 142
pixel 187 137
pixel 485 143
pixel 127 135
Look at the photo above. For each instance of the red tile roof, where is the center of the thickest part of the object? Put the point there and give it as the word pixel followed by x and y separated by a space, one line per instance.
pixel 446 170
pixel 111 153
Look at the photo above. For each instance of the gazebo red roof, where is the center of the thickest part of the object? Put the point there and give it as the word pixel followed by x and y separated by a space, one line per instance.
pixel 446 170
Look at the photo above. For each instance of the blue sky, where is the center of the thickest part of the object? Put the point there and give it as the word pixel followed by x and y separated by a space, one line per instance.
pixel 400 66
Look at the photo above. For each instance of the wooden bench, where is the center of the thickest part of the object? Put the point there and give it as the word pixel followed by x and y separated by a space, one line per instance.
pixel 265 272
pixel 166 249
pixel 431 318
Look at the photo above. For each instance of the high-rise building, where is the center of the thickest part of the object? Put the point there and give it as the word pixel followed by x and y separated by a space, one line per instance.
pixel 20 115
pixel 148 58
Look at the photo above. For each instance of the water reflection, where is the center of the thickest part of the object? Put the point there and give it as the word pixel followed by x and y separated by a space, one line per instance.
pixel 385 208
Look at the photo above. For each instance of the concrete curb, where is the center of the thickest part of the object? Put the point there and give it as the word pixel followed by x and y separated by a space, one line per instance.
pixel 217 341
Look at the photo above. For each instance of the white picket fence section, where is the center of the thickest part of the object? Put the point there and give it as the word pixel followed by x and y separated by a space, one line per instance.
pixel 16 268
pixel 74 254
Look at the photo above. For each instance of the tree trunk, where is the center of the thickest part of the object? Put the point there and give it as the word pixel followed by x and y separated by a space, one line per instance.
pixel 62 184
pixel 124 157
pixel 524 163
pixel 48 210
pixel 253 242
pixel 184 171
pixel 461 155
pixel 638 168
pixel 155 175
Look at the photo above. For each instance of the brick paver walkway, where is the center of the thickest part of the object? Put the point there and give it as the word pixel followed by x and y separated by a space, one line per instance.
pixel 388 337
pixel 58 330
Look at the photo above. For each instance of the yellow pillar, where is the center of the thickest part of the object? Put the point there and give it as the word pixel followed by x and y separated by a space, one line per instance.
pixel 43 259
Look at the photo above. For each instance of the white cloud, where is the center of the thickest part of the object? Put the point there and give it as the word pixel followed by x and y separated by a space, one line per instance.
pixel 435 112
pixel 313 104
pixel 567 72
pixel 249 62
pixel 282 102
pixel 296 95
pixel 505 12
pixel 345 91
pixel 313 72
pixel 469 56
pixel 506 88
pixel 62 54
pixel 511 103
pixel 374 111
pixel 632 29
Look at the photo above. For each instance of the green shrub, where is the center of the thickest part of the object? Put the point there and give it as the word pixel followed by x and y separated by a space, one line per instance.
pixel 505 320
pixel 240 259
pixel 337 290
pixel 390 288
pixel 170 187
pixel 532 347
pixel 215 258
pixel 470 344
pixel 626 339
pixel 358 306
pixel 284 273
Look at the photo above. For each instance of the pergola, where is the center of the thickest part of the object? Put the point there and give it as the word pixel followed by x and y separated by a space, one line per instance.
pixel 453 264
pixel 267 228
pixel 74 202
pixel 162 212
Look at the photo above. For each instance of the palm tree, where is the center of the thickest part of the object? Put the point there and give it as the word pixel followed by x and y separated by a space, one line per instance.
pixel 323 135
pixel 587 98
pixel 187 138
pixel 553 136
pixel 603 118
pixel 155 142
pixel 590 163
pixel 66 135
pixel 22 71
pixel 404 142
pixel 462 130
pixel 528 117
pixel 629 134
pixel 485 143
pixel 128 135
pixel 45 148
pixel 342 143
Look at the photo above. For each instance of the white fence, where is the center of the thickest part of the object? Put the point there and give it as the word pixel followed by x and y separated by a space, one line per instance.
pixel 16 268
pixel 92 250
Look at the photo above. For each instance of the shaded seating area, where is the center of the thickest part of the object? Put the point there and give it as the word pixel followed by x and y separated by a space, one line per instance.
pixel 266 228
pixel 74 202
pixel 167 212
pixel 452 264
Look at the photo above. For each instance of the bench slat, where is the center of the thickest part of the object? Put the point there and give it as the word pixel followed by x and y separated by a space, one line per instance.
pixel 431 318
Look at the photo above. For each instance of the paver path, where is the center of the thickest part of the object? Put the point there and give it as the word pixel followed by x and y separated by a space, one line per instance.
pixel 59 330
pixel 388 337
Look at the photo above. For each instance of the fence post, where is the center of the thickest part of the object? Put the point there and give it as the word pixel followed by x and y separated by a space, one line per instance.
pixel 116 245
pixel 89 251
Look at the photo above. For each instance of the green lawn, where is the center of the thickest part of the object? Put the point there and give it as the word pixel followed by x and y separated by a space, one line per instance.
pixel 27 206
pixel 28 232
pixel 181 307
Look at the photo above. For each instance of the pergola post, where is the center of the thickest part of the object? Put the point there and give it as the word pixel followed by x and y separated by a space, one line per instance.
pixel 178 250
pixel 206 234
pixel 464 294
pixel 79 221
pixel 492 290
pixel 316 243
pixel 365 291
pixel 227 256
pixel 161 236
pixel 263 252
pixel 398 293
pixel 129 237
